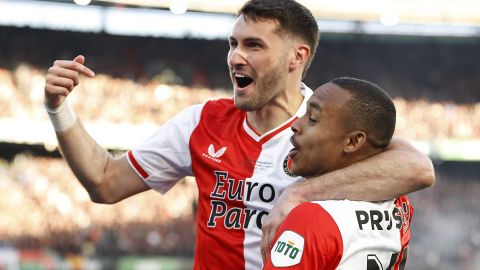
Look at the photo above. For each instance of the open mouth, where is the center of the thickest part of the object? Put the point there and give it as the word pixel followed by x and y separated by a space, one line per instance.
pixel 294 151
pixel 242 80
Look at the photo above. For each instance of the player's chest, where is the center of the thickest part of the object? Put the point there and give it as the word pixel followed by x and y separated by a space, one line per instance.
pixel 240 169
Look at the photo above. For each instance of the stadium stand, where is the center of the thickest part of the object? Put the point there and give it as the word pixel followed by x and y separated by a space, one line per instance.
pixel 119 100
pixel 48 222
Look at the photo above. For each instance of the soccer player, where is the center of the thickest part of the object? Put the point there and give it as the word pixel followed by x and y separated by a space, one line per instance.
pixel 236 148
pixel 347 120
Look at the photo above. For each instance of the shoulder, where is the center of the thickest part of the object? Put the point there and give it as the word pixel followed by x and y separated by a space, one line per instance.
pixel 222 111
pixel 212 109
pixel 312 238
pixel 313 220
pixel 222 116
pixel 316 223
pixel 224 105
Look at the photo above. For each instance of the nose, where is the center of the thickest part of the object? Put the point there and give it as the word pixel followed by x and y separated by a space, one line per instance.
pixel 237 57
pixel 296 126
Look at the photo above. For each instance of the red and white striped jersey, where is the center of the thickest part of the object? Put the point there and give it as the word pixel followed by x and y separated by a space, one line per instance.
pixel 344 235
pixel 239 174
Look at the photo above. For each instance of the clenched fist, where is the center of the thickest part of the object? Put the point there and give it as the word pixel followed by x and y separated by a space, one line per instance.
pixel 62 77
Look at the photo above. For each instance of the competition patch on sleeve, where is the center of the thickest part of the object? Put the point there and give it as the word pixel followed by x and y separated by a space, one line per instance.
pixel 287 250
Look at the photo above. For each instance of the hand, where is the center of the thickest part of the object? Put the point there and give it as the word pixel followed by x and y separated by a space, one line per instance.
pixel 62 77
pixel 290 198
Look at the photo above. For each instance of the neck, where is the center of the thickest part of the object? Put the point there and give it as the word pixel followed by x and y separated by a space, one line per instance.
pixel 278 110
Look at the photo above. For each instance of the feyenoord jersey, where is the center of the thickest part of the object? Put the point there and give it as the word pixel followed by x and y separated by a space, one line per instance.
pixel 344 235
pixel 239 175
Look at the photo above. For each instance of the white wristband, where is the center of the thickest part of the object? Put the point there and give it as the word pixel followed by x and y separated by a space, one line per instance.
pixel 62 117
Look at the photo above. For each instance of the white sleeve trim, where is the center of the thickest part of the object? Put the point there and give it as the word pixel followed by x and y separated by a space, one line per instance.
pixel 164 158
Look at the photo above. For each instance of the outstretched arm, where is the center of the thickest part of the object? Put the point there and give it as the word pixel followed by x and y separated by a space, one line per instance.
pixel 106 179
pixel 399 170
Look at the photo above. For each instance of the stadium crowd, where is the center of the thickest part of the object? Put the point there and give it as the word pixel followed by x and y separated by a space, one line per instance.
pixel 118 100
pixel 446 222
pixel 435 69
pixel 44 207
pixel 146 80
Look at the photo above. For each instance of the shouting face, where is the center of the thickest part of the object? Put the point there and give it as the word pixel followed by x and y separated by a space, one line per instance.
pixel 257 61
pixel 319 136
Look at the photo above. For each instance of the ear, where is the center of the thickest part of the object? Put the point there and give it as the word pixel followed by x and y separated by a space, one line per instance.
pixel 301 52
pixel 354 141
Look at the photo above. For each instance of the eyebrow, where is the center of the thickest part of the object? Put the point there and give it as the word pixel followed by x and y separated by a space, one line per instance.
pixel 315 106
pixel 253 39
pixel 248 39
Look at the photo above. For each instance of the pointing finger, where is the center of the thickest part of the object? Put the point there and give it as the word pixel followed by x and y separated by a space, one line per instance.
pixel 79 59
pixel 73 65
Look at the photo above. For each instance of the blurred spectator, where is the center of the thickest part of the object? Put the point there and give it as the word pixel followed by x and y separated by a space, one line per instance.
pixel 434 82
pixel 117 100
pixel 446 223
pixel 430 68
pixel 43 206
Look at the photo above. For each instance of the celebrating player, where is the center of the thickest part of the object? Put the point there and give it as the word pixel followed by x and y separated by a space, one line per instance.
pixel 342 234
pixel 236 148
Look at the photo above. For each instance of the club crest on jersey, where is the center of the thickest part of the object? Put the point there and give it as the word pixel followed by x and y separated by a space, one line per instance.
pixel 214 155
pixel 287 166
pixel 287 250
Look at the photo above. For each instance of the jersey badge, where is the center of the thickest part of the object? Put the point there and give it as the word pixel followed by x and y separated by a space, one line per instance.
pixel 287 166
pixel 287 250
pixel 215 155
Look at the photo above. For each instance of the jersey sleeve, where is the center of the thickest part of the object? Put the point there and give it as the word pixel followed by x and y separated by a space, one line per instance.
pixel 164 158
pixel 308 239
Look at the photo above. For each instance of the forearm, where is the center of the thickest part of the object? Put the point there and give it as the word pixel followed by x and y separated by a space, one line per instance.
pixel 106 179
pixel 387 175
pixel 85 157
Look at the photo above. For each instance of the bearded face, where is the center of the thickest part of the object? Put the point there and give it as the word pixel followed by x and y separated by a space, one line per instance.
pixel 257 60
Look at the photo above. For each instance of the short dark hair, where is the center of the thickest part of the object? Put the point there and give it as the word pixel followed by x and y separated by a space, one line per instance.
pixel 294 19
pixel 369 109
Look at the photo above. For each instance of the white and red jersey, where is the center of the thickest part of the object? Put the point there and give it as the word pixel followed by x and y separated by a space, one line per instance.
pixel 344 235
pixel 239 174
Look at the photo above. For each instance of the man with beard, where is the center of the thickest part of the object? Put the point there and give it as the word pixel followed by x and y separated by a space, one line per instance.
pixel 342 234
pixel 236 148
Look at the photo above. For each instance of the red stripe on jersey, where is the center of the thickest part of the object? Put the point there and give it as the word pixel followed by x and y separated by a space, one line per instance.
pixel 282 128
pixel 221 181
pixel 323 243
pixel 137 166
pixel 407 212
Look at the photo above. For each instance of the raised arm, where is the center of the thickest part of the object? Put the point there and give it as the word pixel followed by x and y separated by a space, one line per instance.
pixel 399 170
pixel 107 179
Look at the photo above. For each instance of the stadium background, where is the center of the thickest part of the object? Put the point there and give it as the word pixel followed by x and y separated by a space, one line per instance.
pixel 153 62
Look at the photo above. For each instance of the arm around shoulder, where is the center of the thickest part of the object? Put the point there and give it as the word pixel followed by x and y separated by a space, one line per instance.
pixel 421 167
pixel 399 170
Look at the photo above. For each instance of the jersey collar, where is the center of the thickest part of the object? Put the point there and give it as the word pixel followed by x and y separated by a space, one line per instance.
pixel 306 93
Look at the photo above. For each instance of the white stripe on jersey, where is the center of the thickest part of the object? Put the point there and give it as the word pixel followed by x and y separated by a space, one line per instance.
pixel 369 240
